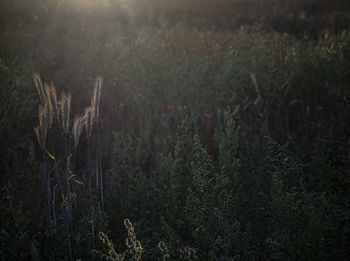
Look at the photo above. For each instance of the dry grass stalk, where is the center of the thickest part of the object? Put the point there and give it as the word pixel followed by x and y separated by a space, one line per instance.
pixel 257 89
pixel 95 102
pixel 77 128
pixel 49 115
pixel 51 94
pixel 65 111
pixel 45 117
pixel 41 134
pixel 39 87
pixel 89 120
pixel 44 124
pixel 42 115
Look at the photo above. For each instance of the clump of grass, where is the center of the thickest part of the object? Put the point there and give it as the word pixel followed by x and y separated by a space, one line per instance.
pixel 52 109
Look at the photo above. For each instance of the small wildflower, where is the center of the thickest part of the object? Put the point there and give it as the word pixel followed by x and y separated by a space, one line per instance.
pixel 261 116
pixel 207 116
pixel 183 142
pixel 122 106
pixel 170 109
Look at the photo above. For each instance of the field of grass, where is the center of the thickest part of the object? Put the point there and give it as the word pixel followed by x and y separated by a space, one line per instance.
pixel 174 130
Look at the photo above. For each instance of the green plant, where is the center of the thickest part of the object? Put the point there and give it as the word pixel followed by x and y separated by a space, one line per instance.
pixel 15 227
pixel 296 217
pixel 134 249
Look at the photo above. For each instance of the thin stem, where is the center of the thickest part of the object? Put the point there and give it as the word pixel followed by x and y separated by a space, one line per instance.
pixel 53 207
pixel 49 212
pixel 69 204
pixel 101 177
pixel 91 199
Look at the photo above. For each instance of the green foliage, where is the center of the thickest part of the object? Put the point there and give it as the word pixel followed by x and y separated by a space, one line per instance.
pixel 200 207
pixel 297 217
pixel 124 167
pixel 17 159
pixel 297 222
pixel 14 235
pixel 228 181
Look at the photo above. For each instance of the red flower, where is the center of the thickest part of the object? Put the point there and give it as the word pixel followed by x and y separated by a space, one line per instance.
pixel 261 115
pixel 170 109
pixel 207 116
pixel 183 142
pixel 122 106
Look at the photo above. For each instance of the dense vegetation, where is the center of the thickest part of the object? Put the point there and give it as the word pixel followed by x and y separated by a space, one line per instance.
pixel 175 130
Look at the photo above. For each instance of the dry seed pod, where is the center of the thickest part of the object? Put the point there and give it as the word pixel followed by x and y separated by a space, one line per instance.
pixel 65 111
pixel 89 120
pixel 95 102
pixel 39 87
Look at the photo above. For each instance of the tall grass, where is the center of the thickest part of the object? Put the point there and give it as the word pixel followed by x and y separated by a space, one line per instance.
pixel 51 109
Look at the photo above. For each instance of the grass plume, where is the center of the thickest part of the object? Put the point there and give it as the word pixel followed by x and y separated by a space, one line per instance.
pixel 45 117
pixel 41 134
pixel 77 128
pixel 95 102
pixel 51 94
pixel 89 120
pixel 65 111
pixel 39 87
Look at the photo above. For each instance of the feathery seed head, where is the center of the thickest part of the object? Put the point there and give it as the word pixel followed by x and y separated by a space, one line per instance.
pixel 77 128
pixel 42 115
pixel 45 117
pixel 65 111
pixel 89 120
pixel 49 115
pixel 39 87
pixel 41 133
pixel 51 95
pixel 95 103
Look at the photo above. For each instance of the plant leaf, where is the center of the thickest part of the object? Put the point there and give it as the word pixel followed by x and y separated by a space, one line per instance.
pixel 50 155
pixel 79 182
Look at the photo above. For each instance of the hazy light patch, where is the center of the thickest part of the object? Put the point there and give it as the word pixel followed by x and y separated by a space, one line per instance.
pixel 90 5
